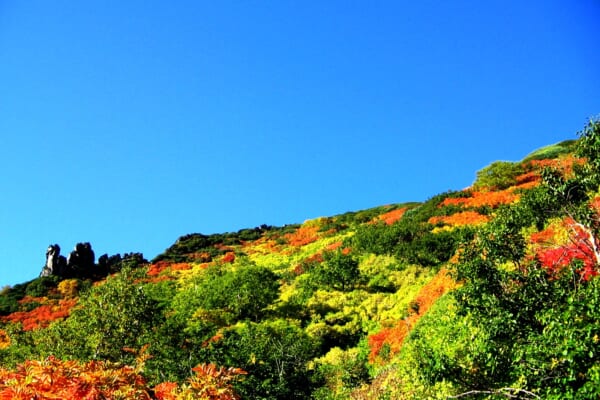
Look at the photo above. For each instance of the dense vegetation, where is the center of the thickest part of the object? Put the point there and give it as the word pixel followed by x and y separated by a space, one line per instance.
pixel 490 292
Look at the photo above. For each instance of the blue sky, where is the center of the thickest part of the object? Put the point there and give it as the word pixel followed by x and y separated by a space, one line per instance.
pixel 130 123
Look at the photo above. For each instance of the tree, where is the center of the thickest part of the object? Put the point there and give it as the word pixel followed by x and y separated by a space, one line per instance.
pixel 113 316
pixel 498 175
pixel 275 355
pixel 537 316
pixel 338 270
pixel 588 146
pixel 240 294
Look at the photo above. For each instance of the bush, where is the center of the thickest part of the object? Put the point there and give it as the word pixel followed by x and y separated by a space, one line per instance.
pixel 275 355
pixel 498 175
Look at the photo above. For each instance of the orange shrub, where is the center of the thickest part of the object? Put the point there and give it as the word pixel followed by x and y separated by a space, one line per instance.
pixel 209 383
pixel 562 164
pixel 394 336
pixel 391 216
pixel 56 379
pixel 162 266
pixel 303 236
pixel 544 237
pixel 460 219
pixel 485 198
pixel 43 315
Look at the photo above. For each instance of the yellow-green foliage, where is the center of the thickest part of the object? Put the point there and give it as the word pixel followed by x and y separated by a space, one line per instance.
pixel 288 256
pixel 552 151
pixel 446 336
pixel 341 369
pixel 387 308
pixel 336 313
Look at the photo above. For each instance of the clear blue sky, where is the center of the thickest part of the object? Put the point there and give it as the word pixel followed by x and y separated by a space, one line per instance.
pixel 130 123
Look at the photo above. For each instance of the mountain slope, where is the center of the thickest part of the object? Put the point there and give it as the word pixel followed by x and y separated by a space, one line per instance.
pixel 488 291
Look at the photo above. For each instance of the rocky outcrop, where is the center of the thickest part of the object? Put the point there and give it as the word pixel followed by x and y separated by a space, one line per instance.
pixel 55 263
pixel 81 262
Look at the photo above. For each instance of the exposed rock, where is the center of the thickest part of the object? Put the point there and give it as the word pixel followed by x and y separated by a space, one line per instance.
pixel 81 263
pixel 81 260
pixel 55 263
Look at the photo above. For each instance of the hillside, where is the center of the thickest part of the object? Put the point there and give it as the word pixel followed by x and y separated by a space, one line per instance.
pixel 487 292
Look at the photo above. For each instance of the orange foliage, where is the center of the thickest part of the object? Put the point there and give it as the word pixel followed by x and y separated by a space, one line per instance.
pixel 4 339
pixel 527 185
pixel 158 267
pixel 99 380
pixel 531 176
pixel 394 336
pixel 27 299
pixel 337 245
pixel 391 216
pixel 43 315
pixel 562 164
pixel 485 198
pixel 56 379
pixel 161 266
pixel 334 246
pixel 460 219
pixel 209 383
pixel 545 236
pixel 317 258
pixel 166 391
pixel 595 204
pixel 223 247
pixel 303 236
pixel 213 339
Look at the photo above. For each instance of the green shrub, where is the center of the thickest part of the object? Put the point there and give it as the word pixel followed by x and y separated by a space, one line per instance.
pixel 498 175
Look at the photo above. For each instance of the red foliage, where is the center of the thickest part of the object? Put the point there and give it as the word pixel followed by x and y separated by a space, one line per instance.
pixel 582 246
pixel 43 315
pixel 229 257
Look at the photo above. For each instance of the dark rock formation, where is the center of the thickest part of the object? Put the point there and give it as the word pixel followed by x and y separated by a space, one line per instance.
pixel 55 263
pixel 81 263
pixel 81 260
